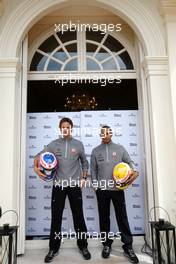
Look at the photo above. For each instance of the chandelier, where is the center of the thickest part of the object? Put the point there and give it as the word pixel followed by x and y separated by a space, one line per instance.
pixel 79 102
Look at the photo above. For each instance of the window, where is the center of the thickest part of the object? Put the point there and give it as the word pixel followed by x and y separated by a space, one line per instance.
pixel 101 52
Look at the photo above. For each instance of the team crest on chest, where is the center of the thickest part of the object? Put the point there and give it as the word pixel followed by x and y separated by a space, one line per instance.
pixel 73 150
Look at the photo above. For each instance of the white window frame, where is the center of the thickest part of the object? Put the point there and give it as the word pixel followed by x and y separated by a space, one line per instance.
pixel 81 50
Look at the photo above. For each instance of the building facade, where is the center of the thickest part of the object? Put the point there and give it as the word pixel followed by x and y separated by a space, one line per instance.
pixel 148 34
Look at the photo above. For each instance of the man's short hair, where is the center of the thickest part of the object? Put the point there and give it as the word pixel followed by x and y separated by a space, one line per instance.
pixel 66 119
pixel 107 127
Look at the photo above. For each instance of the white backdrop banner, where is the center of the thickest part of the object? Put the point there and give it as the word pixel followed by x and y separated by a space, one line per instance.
pixel 42 128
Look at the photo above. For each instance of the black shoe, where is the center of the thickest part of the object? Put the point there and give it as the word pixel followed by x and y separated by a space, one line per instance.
pixel 50 256
pixel 106 252
pixel 86 254
pixel 129 253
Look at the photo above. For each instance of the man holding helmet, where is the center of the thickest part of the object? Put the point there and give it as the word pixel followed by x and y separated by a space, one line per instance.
pixel 104 158
pixel 70 155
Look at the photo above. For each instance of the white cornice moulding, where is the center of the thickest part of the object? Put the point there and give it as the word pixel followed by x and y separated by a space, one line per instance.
pixel 155 66
pixel 169 8
pixel 10 67
pixel 10 64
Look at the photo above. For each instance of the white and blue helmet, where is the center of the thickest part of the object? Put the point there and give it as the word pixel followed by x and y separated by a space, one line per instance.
pixel 48 165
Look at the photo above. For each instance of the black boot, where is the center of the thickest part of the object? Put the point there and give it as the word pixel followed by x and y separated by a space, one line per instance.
pixel 106 251
pixel 129 253
pixel 86 254
pixel 50 256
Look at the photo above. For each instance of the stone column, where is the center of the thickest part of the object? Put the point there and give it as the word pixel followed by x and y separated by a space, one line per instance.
pixel 162 132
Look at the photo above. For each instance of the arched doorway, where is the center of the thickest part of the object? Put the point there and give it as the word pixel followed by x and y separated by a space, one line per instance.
pixel 98 59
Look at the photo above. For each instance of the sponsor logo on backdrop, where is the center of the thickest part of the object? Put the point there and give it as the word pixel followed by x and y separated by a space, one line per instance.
pixel 88 218
pixel 47 219
pixel 47 197
pixel 91 229
pixel 47 117
pixel 32 187
pixel 90 196
pixel 136 206
pixel 133 154
pixel 63 229
pixel 90 207
pixel 102 115
pixel 118 125
pixel 117 115
pixel 138 228
pixel 45 229
pixel 46 136
pixel 88 125
pixel 47 207
pixel 132 114
pixel 76 116
pixel 132 124
pixel 32 197
pixel 32 127
pixel 87 115
pixel 76 126
pixel 135 184
pixel 32 177
pixel 88 135
pixel 136 195
pixel 32 147
pixel 88 145
pixel 133 144
pixel 32 218
pixel 31 156
pixel 133 134
pixel 60 116
pixel 32 137
pixel 47 127
pixel 31 230
pixel 118 135
pixel 32 117
pixel 47 186
pixel 32 208
pixel 137 217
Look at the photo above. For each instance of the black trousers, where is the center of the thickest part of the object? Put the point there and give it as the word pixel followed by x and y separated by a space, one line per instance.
pixel 57 206
pixel 104 198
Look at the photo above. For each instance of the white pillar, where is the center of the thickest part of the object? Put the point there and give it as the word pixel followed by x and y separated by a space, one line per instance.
pixel 170 23
pixel 162 133
pixel 10 104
